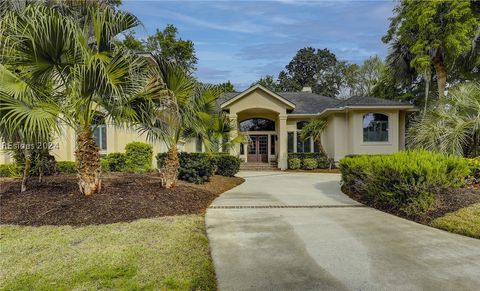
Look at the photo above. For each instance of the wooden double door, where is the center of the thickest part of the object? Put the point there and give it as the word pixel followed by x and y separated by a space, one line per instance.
pixel 257 150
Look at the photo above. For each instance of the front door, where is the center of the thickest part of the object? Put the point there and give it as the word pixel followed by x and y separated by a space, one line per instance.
pixel 258 149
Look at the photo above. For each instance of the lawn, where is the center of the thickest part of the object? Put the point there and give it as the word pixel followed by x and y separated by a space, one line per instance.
pixel 134 235
pixel 465 221
pixel 146 254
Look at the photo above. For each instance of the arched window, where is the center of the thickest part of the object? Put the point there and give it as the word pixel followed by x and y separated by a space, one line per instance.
pixel 375 127
pixel 257 124
pixel 301 124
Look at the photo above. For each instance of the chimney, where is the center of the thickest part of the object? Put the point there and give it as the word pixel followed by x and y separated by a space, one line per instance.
pixel 307 89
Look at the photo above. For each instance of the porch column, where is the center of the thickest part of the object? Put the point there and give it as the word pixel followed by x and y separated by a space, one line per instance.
pixel 282 142
pixel 234 150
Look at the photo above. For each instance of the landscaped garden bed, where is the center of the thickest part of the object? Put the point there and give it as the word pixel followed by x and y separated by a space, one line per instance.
pixel 418 185
pixel 125 197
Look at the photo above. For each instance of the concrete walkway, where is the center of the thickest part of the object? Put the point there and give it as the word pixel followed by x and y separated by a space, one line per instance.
pixel 317 238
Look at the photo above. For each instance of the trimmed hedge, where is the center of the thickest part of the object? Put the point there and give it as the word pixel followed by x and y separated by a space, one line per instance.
pixel 138 157
pixel 294 163
pixel 10 170
pixel 322 161
pixel 310 164
pixel 199 167
pixel 406 181
pixel 66 167
pixel 114 162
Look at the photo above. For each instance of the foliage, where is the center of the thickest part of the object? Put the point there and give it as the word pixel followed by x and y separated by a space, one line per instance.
pixel 316 68
pixel 165 45
pixel 360 80
pixel 435 33
pixel 138 157
pixel 268 82
pixel 194 167
pixel 10 170
pixel 310 164
pixel 116 162
pixel 226 165
pixel 314 129
pixel 294 163
pixel 66 167
pixel 452 126
pixel 405 181
pixel 474 165
pixel 465 221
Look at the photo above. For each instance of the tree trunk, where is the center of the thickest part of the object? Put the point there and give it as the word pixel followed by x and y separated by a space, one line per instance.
pixel 441 72
pixel 322 150
pixel 169 170
pixel 26 172
pixel 428 78
pixel 88 162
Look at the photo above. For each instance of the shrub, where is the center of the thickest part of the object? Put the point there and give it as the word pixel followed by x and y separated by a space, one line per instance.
pixel 294 163
pixel 66 167
pixel 10 170
pixel 474 166
pixel 310 164
pixel 194 167
pixel 114 162
pixel 406 181
pixel 325 163
pixel 226 165
pixel 138 157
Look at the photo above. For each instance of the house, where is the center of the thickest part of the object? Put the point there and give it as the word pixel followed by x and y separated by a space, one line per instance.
pixel 271 121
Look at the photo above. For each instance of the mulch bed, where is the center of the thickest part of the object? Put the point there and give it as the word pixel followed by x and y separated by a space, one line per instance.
pixel 124 197
pixel 447 201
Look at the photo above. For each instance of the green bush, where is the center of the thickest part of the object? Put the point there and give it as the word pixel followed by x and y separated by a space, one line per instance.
pixel 66 167
pixel 226 165
pixel 10 170
pixel 294 163
pixel 309 164
pixel 114 162
pixel 474 166
pixel 194 167
pixel 138 157
pixel 406 181
pixel 323 162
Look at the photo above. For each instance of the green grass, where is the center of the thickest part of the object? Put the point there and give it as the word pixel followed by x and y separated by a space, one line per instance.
pixel 148 254
pixel 465 221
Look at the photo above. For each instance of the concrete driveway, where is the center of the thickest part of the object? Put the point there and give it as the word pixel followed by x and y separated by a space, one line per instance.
pixel 298 231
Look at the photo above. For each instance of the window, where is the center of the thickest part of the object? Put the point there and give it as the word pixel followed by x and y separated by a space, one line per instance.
pixel 301 124
pixel 242 149
pixel 272 144
pixel 100 132
pixel 290 142
pixel 303 146
pixel 375 127
pixel 257 124
pixel 198 144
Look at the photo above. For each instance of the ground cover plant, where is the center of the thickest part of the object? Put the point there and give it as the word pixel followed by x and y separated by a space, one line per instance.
pixel 464 221
pixel 417 185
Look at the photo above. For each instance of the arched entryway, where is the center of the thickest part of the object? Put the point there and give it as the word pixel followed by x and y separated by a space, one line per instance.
pixel 261 139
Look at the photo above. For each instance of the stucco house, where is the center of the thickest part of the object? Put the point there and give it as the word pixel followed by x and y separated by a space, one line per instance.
pixel 271 121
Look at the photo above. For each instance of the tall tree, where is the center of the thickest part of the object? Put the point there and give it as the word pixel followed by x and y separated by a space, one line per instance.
pixel 436 33
pixel 316 68
pixel 87 74
pixel 166 45
pixel 267 82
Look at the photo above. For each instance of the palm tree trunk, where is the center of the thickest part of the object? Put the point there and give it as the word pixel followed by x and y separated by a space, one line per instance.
pixel 428 78
pixel 169 170
pixel 26 171
pixel 88 162
pixel 441 72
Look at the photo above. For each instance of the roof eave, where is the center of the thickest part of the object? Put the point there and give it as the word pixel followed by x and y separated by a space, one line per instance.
pixel 253 88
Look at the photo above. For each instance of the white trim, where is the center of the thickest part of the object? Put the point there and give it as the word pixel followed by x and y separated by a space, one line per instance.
pixel 251 89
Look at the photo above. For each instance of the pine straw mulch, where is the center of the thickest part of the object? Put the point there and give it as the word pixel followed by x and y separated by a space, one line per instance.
pixel 446 201
pixel 124 197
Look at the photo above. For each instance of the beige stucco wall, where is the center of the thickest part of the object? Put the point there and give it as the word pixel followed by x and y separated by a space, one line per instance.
pixel 63 146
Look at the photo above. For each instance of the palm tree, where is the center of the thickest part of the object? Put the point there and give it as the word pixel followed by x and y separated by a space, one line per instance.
pixel 183 118
pixel 216 134
pixel 84 74
pixel 452 126
pixel 314 129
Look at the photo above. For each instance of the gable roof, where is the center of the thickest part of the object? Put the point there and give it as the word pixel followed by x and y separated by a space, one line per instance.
pixel 225 103
pixel 310 103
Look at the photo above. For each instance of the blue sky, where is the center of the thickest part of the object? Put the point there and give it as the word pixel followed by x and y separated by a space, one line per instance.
pixel 241 41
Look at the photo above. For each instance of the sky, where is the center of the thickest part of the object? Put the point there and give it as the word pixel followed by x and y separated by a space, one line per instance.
pixel 241 41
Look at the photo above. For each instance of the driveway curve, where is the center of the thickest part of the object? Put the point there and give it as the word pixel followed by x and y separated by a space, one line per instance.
pixel 298 231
